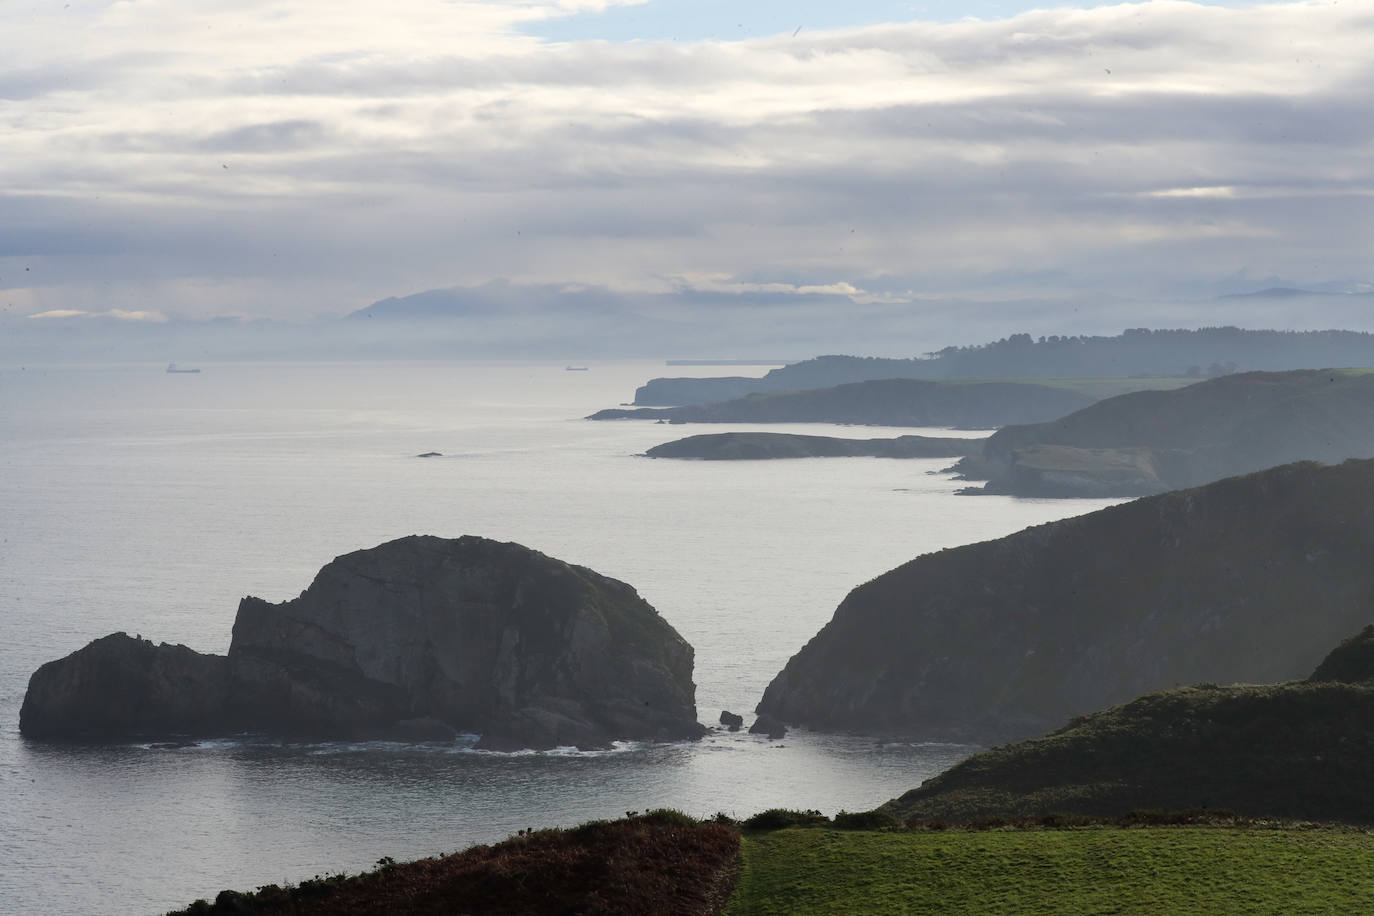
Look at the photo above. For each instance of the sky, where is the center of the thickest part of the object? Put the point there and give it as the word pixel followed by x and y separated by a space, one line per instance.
pixel 291 159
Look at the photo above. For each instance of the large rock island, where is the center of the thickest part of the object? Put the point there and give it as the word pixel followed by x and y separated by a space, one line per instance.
pixel 1152 441
pixel 1247 579
pixel 420 637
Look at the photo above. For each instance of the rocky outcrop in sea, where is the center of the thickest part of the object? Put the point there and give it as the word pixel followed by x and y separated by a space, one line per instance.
pixel 418 638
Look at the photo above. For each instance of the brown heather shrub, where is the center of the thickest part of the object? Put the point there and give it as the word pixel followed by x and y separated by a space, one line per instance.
pixel 661 862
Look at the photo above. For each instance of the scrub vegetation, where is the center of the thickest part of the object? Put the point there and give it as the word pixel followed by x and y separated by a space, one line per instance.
pixel 660 862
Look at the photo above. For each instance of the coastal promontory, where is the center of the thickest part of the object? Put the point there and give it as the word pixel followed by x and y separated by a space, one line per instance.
pixel 756 446
pixel 1249 579
pixel 1152 441
pixel 421 637
pixel 882 402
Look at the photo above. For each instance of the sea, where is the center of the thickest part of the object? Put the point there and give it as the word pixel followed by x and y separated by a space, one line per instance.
pixel 137 500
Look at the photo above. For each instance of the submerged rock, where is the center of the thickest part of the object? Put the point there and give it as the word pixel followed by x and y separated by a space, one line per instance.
pixel 768 725
pixel 414 637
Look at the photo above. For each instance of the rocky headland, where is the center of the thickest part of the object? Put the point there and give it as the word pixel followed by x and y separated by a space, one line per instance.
pixel 1297 750
pixel 1249 579
pixel 1138 358
pixel 416 639
pixel 1152 441
pixel 885 402
pixel 758 446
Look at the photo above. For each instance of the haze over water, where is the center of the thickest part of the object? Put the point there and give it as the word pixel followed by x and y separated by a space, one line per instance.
pixel 139 501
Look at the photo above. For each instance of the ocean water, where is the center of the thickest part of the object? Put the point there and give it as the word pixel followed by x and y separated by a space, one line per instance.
pixel 135 500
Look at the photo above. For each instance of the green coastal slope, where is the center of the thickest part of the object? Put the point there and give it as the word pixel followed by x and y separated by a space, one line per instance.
pixel 1092 869
pixel 1303 749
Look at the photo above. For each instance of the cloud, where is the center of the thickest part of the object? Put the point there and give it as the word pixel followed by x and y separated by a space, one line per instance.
pixel 296 158
pixel 59 313
pixel 141 315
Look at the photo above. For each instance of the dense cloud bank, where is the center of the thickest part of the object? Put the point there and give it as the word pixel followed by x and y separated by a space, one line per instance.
pixel 295 158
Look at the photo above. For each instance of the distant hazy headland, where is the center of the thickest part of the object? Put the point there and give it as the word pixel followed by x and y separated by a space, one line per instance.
pixel 1153 441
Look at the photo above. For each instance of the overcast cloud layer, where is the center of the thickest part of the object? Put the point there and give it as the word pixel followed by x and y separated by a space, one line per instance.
pixel 291 159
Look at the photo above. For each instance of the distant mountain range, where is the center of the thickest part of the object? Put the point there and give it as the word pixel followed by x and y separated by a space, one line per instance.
pixel 566 321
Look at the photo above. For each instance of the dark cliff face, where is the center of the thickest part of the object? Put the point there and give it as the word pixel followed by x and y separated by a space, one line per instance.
pixel 1150 441
pixel 468 634
pixel 1247 579
pixel 119 687
pixel 489 637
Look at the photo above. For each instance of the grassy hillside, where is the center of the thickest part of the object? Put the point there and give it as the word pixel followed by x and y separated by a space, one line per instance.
pixel 665 863
pixel 1298 750
pixel 1103 869
pixel 1294 750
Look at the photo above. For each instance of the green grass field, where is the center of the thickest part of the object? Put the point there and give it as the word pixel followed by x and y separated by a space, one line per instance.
pixel 1201 869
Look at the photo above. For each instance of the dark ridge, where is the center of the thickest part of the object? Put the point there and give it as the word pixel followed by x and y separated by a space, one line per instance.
pixel 1298 750
pixel 1352 662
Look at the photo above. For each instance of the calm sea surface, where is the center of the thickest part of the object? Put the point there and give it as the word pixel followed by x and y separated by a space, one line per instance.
pixel 135 500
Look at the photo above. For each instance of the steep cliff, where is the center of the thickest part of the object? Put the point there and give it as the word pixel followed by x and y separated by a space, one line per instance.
pixel 418 635
pixel 120 685
pixel 1246 579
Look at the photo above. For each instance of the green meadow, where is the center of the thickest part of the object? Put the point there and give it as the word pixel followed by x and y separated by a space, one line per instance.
pixel 1099 869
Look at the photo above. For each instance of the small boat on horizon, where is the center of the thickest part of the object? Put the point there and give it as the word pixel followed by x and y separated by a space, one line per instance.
pixel 574 368
pixel 175 370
